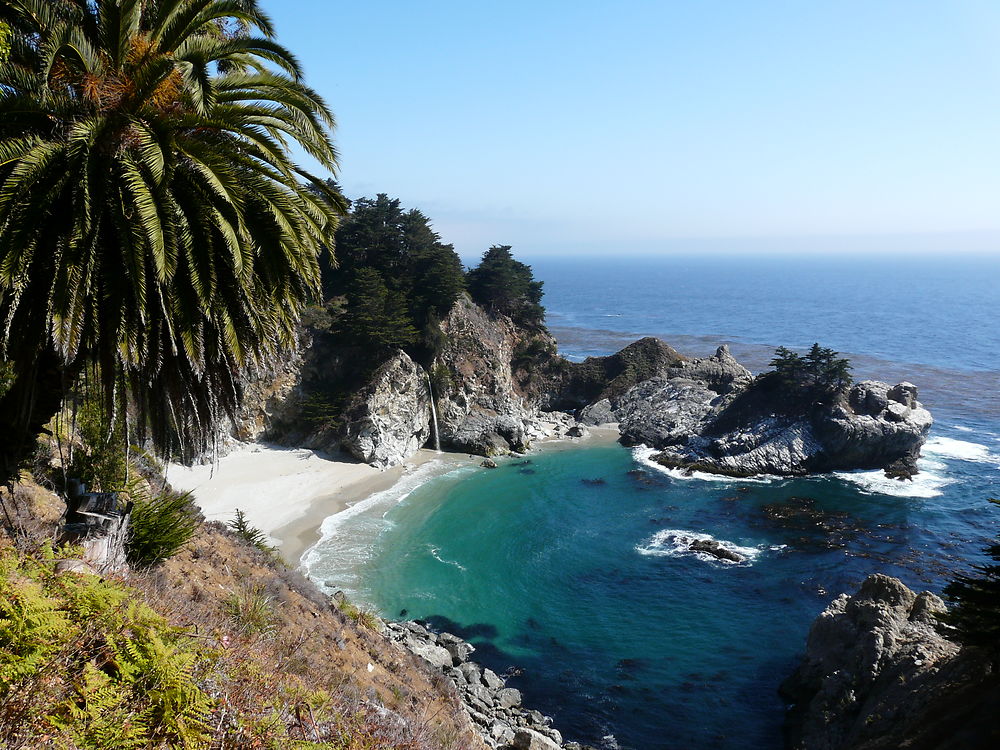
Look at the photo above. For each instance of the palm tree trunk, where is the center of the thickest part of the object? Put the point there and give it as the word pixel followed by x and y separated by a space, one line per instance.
pixel 34 398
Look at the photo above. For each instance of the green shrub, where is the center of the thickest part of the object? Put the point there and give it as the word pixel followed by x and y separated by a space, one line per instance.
pixel 361 615
pixel 251 535
pixel 160 526
pixel 84 659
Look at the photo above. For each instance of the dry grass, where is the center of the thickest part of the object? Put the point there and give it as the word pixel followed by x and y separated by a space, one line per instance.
pixel 285 667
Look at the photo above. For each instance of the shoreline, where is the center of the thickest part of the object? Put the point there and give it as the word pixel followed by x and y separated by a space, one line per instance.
pixel 289 492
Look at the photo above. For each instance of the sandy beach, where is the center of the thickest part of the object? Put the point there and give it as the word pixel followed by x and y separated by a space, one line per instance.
pixel 288 492
pixel 285 492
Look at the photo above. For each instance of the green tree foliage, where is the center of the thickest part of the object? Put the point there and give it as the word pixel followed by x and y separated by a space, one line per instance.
pixel 377 315
pixel 421 275
pixel 974 616
pixel 98 454
pixel 820 369
pixel 505 285
pixel 152 222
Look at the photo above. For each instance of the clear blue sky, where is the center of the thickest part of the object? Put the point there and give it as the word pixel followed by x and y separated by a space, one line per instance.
pixel 559 126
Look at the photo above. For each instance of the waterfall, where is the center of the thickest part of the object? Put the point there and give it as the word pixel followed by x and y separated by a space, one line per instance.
pixel 434 414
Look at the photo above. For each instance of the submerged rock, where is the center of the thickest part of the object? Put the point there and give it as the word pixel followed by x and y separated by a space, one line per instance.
pixel 717 550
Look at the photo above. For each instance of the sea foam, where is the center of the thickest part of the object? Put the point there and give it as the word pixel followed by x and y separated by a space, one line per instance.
pixel 926 484
pixel 336 555
pixel 643 454
pixel 677 543
pixel 961 449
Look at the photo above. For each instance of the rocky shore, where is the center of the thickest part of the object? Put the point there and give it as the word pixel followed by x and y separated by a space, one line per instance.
pixel 877 674
pixel 495 710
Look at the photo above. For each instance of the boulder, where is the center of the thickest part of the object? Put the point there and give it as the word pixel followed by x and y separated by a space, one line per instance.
pixel 528 739
pixel 598 413
pixel 508 698
pixel 389 419
pixel 433 654
pixel 878 674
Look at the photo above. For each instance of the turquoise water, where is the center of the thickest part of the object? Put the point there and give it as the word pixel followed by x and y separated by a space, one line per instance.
pixel 560 566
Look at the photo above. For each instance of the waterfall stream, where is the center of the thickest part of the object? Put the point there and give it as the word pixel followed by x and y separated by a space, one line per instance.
pixel 434 416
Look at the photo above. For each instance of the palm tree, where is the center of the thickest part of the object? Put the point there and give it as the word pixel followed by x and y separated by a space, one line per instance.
pixel 154 230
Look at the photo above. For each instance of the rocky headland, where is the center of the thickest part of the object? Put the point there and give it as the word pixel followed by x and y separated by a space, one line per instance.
pixel 494 387
pixel 877 674
pixel 713 415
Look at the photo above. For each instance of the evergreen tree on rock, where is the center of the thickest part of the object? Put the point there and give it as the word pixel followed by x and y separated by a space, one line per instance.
pixel 503 284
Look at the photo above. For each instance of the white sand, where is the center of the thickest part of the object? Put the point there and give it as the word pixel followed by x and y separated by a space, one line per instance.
pixel 273 486
pixel 288 492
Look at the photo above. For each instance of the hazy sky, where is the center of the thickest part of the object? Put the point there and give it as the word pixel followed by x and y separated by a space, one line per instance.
pixel 559 125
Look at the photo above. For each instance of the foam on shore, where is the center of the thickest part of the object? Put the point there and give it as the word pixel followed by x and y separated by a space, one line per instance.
pixel 332 560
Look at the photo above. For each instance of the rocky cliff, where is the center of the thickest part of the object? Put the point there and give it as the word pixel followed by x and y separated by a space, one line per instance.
pixel 390 418
pixel 482 407
pixel 491 375
pixel 712 415
pixel 877 675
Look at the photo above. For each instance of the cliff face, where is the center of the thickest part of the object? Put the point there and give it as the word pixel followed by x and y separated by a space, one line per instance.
pixel 389 420
pixel 711 415
pixel 876 675
pixel 493 377
pixel 485 409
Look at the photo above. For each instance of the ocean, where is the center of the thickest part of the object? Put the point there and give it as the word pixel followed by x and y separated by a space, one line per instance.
pixel 564 566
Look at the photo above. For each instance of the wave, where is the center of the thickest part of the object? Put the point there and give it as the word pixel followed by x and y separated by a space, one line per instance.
pixel 643 454
pixel 960 449
pixel 926 484
pixel 677 543
pixel 435 553
pixel 336 553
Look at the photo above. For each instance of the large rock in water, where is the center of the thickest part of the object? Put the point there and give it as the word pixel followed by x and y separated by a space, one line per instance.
pixel 877 675
pixel 711 415
pixel 390 418
pixel 668 409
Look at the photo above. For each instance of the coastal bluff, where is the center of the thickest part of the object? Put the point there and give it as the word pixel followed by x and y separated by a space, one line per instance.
pixel 713 415
pixel 877 675
pixel 494 386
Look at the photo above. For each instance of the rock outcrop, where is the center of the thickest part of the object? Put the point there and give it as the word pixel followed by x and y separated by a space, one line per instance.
pixel 389 419
pixel 484 410
pixel 711 415
pixel 598 378
pixel 877 675
pixel 494 708
pixel 668 409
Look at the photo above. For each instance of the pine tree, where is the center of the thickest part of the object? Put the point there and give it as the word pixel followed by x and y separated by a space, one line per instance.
pixel 974 617
pixel 376 315
pixel 505 285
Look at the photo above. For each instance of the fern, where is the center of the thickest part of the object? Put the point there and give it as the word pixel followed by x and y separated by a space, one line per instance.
pixel 82 656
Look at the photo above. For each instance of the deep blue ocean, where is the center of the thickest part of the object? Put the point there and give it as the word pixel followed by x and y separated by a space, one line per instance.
pixel 560 565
